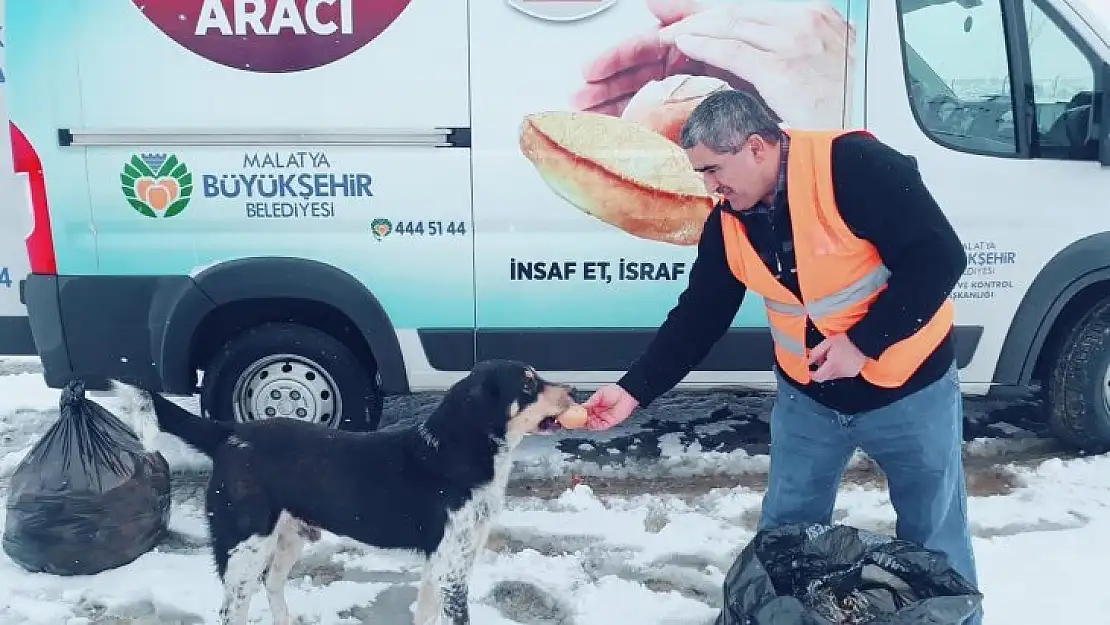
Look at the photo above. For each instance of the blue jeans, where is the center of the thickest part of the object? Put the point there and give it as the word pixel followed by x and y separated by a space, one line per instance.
pixel 917 443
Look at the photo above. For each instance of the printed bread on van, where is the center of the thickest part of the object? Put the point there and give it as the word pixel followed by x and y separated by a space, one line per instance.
pixel 620 172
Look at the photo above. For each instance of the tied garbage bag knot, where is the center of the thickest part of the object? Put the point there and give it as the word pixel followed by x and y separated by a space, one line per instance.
pixel 87 497
pixel 72 394
pixel 813 574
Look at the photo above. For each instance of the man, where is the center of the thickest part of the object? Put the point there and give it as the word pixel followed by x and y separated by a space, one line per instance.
pixel 855 260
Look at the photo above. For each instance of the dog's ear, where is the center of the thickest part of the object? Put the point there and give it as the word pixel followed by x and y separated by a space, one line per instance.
pixel 483 391
pixel 492 398
pixel 489 390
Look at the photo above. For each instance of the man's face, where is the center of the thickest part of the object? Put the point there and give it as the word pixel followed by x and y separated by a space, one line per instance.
pixel 744 177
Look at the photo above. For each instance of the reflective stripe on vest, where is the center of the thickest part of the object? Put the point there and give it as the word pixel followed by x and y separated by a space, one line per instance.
pixel 787 342
pixel 854 293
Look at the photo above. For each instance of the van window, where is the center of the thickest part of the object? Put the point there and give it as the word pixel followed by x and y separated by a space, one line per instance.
pixel 958 74
pixel 1063 88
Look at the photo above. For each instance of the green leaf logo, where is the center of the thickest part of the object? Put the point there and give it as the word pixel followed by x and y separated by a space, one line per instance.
pixel 381 228
pixel 156 185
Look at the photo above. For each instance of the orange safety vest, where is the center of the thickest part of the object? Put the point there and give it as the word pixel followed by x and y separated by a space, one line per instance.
pixel 839 273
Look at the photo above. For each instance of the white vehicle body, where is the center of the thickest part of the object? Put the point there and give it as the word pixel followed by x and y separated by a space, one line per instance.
pixel 430 238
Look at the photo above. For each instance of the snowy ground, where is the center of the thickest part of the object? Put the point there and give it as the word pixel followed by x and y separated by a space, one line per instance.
pixel 634 526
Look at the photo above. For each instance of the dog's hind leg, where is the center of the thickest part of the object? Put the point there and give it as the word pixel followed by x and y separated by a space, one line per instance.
pixel 290 536
pixel 245 565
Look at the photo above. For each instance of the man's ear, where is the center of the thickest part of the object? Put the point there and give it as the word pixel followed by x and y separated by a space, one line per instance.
pixel 758 147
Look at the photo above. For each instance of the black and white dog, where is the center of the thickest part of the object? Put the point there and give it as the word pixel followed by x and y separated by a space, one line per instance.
pixel 433 487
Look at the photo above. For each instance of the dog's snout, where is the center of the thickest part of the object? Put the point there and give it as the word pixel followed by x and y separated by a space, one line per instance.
pixel 568 389
pixel 559 394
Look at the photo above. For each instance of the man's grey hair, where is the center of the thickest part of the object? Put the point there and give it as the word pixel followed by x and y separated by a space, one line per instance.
pixel 724 120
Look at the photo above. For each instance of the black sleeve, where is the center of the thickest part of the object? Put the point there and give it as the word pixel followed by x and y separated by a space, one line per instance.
pixel 883 199
pixel 704 312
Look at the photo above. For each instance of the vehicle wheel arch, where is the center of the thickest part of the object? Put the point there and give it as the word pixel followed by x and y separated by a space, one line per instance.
pixel 1065 289
pixel 231 296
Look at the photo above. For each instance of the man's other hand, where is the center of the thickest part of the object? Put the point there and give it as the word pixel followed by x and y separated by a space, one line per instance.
pixel 836 358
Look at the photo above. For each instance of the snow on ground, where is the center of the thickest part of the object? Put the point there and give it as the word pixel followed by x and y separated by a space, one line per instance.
pixel 580 557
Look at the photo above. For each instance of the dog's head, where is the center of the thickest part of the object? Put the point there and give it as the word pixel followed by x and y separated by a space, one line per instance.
pixel 488 413
pixel 525 401
pixel 504 400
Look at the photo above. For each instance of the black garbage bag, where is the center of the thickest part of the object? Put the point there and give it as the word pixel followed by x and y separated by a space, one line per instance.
pixel 809 574
pixel 88 497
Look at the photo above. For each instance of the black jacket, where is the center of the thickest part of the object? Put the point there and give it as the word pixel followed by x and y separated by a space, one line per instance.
pixel 883 200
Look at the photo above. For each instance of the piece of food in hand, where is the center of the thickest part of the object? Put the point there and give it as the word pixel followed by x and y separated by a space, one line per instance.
pixel 664 105
pixel 574 418
pixel 620 172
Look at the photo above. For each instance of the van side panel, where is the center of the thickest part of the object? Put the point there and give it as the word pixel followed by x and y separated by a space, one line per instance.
pixel 192 133
pixel 312 201
pixel 568 291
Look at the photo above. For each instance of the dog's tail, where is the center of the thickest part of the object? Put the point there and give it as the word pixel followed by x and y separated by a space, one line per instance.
pixel 149 413
pixel 204 435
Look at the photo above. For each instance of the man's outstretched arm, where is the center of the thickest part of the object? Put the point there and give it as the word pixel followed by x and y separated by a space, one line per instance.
pixel 704 312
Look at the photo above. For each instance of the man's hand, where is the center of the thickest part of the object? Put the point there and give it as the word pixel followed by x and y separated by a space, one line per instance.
pixel 837 358
pixel 792 53
pixel 608 406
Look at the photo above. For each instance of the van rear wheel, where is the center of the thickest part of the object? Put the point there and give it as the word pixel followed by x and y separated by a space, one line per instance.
pixel 291 371
pixel 1079 387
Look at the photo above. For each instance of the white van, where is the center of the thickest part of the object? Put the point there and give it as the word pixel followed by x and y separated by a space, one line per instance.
pixel 300 207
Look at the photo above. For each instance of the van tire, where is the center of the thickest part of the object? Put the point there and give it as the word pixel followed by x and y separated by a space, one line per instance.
pixel 316 362
pixel 1079 387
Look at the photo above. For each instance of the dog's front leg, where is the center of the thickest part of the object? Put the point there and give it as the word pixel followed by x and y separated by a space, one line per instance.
pixel 454 589
pixel 443 595
pixel 450 582
pixel 454 597
pixel 442 602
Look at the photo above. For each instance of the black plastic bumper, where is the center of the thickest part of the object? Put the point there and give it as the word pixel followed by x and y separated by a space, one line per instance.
pixel 103 327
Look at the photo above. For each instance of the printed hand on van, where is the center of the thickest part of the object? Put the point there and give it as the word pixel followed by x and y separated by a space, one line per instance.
pixel 619 72
pixel 837 357
pixel 792 53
